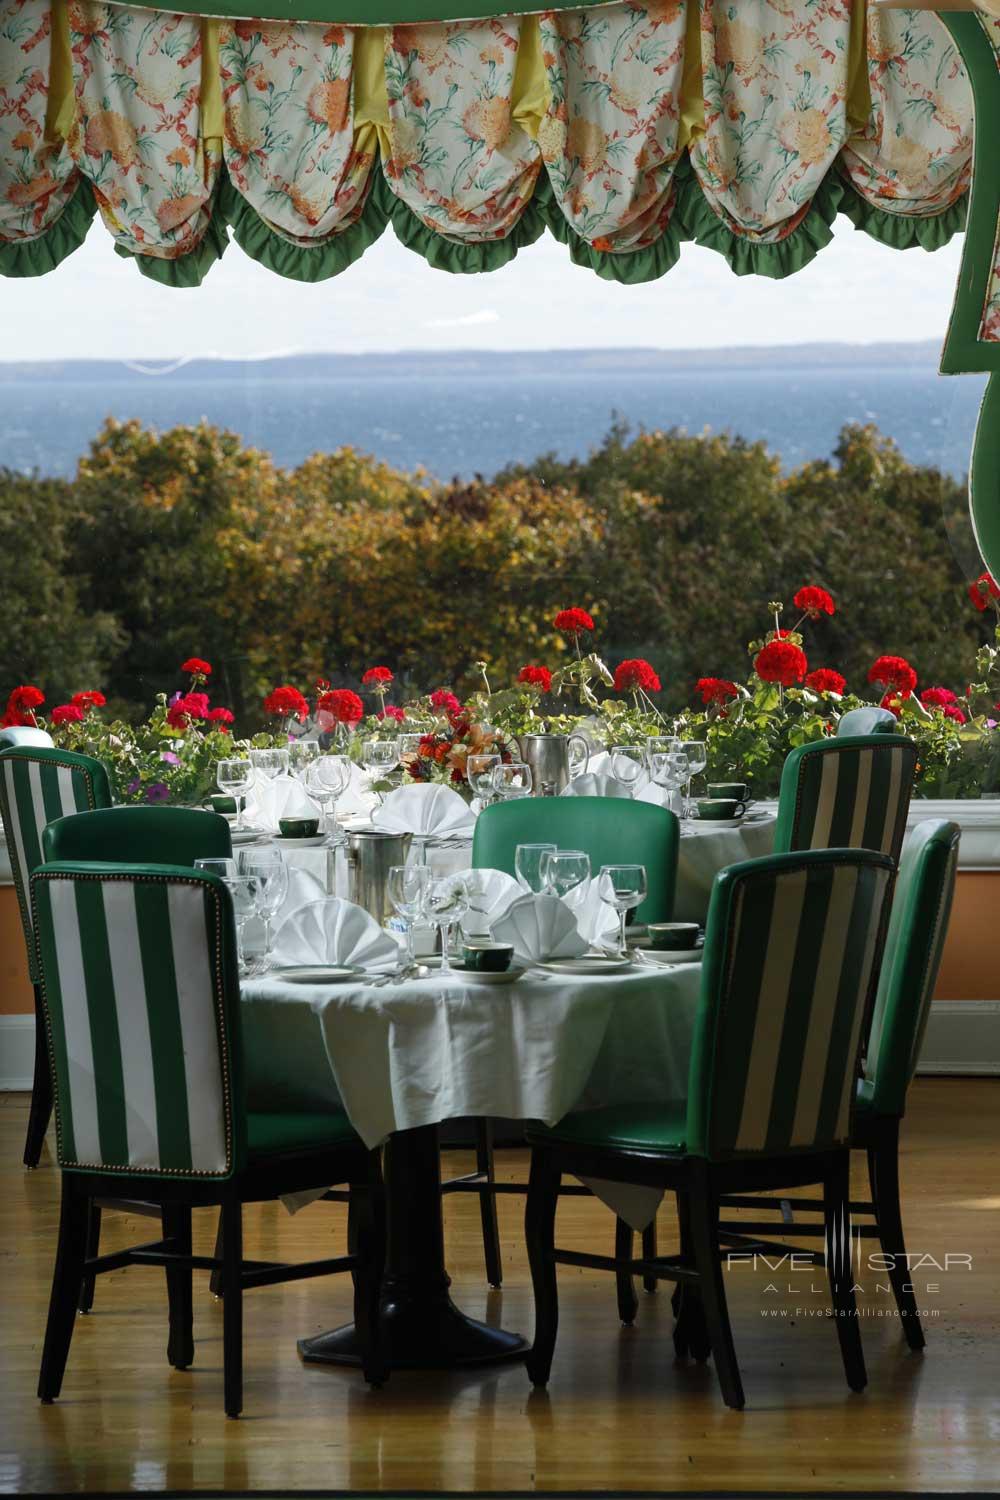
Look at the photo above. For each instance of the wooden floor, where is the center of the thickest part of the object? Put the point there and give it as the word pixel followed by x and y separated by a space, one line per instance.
pixel 619 1412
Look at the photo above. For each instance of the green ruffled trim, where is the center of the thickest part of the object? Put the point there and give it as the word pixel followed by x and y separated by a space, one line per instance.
pixel 39 256
pixel 904 231
pixel 627 267
pixel 451 255
pixel 185 270
pixel 749 257
pixel 299 262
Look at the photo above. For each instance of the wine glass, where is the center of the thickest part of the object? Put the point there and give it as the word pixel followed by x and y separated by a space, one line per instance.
pixel 662 744
pixel 327 778
pixel 267 865
pixel 512 780
pixel 528 865
pixel 626 766
pixel 697 759
pixel 224 868
pixel 447 903
pixel 479 772
pixel 566 870
pixel 669 769
pixel 409 744
pixel 245 891
pixel 269 764
pixel 623 887
pixel 301 754
pixel 408 885
pixel 379 757
pixel 233 777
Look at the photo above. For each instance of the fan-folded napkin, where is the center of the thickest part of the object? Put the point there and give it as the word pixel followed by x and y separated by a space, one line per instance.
pixel 427 810
pixel 337 932
pixel 491 894
pixel 540 928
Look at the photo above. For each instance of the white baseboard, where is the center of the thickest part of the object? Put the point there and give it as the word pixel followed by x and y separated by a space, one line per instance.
pixel 963 1037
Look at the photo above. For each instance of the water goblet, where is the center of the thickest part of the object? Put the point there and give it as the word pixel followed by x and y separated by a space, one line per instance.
pixel 224 868
pixel 447 903
pixel 408 886
pixel 662 744
pixel 565 871
pixel 267 865
pixel 670 770
pixel 301 754
pixel 512 780
pixel 627 766
pixel 245 892
pixel 697 759
pixel 623 887
pixel 479 770
pixel 233 777
pixel 269 764
pixel 379 758
pixel 528 865
pixel 327 778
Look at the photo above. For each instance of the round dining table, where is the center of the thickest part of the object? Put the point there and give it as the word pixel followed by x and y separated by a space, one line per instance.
pixel 401 1058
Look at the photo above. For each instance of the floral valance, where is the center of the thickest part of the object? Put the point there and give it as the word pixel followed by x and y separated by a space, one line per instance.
pixel 624 129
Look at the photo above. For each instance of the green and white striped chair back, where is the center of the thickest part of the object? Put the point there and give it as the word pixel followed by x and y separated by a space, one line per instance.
pixel 141 1000
pixel 847 793
pixel 37 785
pixel 791 949
pixel 917 930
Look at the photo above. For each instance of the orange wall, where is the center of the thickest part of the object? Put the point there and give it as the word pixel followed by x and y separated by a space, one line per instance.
pixel 15 991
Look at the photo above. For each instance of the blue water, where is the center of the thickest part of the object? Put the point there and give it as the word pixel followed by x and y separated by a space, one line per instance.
pixel 462 424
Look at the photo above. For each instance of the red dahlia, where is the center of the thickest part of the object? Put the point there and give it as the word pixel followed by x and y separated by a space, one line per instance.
pixel 893 672
pixel 826 680
pixel 814 601
pixel 716 690
pixel 287 702
pixel 196 667
pixel 89 700
pixel 573 621
pixel 781 661
pixel 375 675
pixel 636 673
pixel 535 676
pixel 344 706
pixel 67 713
pixel 983 590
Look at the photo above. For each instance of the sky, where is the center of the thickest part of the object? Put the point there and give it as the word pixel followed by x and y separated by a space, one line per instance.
pixel 97 305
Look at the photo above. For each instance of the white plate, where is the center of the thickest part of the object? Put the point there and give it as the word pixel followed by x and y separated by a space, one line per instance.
pixel 317 974
pixel 312 842
pixel 586 965
pixel 663 956
pixel 489 976
pixel 247 835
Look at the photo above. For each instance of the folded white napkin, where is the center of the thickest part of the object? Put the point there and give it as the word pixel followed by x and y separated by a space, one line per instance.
pixel 357 798
pixel 284 797
pixel 434 810
pixel 595 784
pixel 597 921
pixel 491 893
pixel 334 931
pixel 303 888
pixel 540 927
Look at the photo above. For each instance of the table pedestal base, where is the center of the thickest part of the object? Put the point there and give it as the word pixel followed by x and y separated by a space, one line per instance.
pixel 421 1336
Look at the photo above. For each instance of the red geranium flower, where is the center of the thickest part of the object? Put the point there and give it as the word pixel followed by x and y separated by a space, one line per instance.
pixel 636 673
pixel 219 716
pixel 287 702
pixel 185 708
pixel 814 601
pixel 539 677
pixel 196 667
pixel 392 711
pixel 377 674
pixel 781 661
pixel 983 590
pixel 716 690
pixel 24 698
pixel 952 711
pixel 893 672
pixel 826 680
pixel 343 706
pixel 67 713
pixel 573 621
pixel 441 698
pixel 938 697
pixel 893 700
pixel 89 700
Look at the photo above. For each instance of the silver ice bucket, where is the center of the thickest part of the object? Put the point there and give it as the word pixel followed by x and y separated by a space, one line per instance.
pixel 371 854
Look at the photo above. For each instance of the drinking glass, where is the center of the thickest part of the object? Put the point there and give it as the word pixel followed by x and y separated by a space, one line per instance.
pixel 301 754
pixel 623 887
pixel 409 744
pixel 626 766
pixel 327 778
pixel 697 759
pixel 479 770
pixel 224 868
pixel 447 903
pixel 662 744
pixel 267 865
pixel 528 865
pixel 566 870
pixel 233 777
pixel 269 763
pixel 512 780
pixel 408 885
pixel 245 892
pixel 379 757
pixel 670 770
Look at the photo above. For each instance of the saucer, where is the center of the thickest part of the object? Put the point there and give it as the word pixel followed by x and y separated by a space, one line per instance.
pixel 310 841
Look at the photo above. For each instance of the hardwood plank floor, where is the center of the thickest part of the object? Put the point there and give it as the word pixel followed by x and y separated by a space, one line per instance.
pixel 619 1412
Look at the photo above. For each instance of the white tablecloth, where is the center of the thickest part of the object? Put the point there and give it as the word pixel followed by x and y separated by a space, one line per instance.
pixel 438 1049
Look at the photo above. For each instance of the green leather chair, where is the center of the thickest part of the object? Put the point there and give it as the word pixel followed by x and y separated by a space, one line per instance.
pixel 918 927
pixel 140 989
pixel 146 835
pixel 791 947
pixel 867 721
pixel 612 831
pixel 39 783
pixel 850 792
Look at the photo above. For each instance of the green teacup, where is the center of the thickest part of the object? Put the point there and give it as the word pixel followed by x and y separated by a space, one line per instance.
pixel 721 809
pixel 227 806
pixel 731 790
pixel 298 828
pixel 677 936
pixel 491 958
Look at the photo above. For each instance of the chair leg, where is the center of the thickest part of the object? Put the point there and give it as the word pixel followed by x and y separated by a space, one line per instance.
pixel 705 1245
pixel 883 1174
pixel 93 1246
pixel 488 1203
pixel 690 1330
pixel 649 1252
pixel 41 1090
pixel 180 1343
pixel 840 1269
pixel 539 1234
pixel 367 1241
pixel 66 1279
pixel 232 1304
pixel 215 1279
pixel 628 1302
